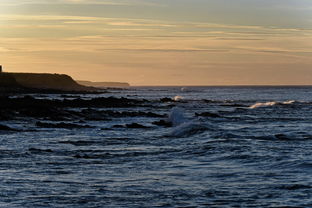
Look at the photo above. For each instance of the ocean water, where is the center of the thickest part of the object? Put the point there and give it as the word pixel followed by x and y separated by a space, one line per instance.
pixel 228 147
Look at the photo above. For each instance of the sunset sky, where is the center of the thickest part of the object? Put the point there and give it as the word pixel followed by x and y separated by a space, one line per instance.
pixel 161 42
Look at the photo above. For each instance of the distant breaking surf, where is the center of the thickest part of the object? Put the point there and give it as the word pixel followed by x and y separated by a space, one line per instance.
pixel 266 104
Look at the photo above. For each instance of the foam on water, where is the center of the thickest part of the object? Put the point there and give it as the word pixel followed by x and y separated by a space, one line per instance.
pixel 258 105
pixel 178 98
pixel 289 102
pixel 273 103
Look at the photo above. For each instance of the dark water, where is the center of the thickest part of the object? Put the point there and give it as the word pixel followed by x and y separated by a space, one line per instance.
pixel 254 151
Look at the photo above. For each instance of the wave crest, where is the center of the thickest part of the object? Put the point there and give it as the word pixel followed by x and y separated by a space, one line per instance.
pixel 273 103
pixel 178 98
pixel 182 126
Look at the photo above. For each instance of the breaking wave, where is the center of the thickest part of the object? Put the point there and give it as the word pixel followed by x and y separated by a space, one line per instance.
pixel 188 129
pixel 182 126
pixel 178 98
pixel 267 104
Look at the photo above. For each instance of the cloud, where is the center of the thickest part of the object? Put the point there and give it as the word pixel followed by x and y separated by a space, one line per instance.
pixel 2 49
pixel 149 27
pixel 87 20
pixel 78 2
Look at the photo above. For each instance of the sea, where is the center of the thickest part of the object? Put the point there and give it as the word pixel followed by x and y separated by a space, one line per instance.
pixel 227 147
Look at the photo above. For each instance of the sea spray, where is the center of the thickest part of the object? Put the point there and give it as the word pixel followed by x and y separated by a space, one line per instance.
pixel 178 98
pixel 176 116
pixel 258 105
pixel 183 126
pixel 267 104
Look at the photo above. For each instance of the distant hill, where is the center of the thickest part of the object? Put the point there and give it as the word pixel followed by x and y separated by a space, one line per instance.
pixel 104 84
pixel 7 80
pixel 61 82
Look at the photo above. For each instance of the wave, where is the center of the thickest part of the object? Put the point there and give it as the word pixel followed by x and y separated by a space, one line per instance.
pixel 177 117
pixel 183 126
pixel 188 129
pixel 178 98
pixel 273 103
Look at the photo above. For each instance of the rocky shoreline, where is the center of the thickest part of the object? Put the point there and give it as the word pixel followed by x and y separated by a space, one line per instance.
pixel 69 113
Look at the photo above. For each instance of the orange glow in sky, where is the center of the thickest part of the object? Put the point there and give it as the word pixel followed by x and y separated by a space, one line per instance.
pixel 164 42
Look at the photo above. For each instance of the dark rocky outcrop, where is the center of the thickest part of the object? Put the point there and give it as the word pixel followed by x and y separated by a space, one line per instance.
pixel 71 113
pixel 136 126
pixel 163 123
pixel 131 126
pixel 39 104
pixel 208 114
pixel 58 110
pixel 61 125
pixel 166 100
pixel 6 128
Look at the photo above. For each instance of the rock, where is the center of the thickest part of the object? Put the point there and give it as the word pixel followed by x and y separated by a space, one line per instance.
pixel 208 114
pixel 131 126
pixel 118 126
pixel 162 123
pixel 6 128
pixel 35 150
pixel 61 125
pixel 282 137
pixel 166 100
pixel 57 110
pixel 136 126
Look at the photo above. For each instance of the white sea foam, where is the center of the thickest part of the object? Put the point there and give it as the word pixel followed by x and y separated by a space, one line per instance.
pixel 258 105
pixel 178 98
pixel 289 102
pixel 267 104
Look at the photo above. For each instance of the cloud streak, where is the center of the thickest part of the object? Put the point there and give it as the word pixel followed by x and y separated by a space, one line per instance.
pixel 205 42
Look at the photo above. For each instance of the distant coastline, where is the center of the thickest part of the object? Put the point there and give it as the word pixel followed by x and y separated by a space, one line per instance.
pixel 104 84
pixel 41 82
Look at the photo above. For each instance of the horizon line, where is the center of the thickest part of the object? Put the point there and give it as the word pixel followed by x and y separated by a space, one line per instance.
pixel 281 85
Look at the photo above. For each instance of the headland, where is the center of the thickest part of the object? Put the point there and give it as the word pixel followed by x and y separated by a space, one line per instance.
pixel 40 82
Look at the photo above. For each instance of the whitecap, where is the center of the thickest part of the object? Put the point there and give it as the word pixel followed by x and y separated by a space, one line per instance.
pixel 273 103
pixel 178 98
pixel 258 105
pixel 289 102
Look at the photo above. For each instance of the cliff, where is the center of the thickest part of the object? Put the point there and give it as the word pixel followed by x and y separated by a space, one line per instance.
pixel 7 80
pixel 60 82
pixel 104 84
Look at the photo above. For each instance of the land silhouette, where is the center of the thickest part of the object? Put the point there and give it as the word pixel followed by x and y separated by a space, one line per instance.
pixel 49 83
pixel 55 113
pixel 104 84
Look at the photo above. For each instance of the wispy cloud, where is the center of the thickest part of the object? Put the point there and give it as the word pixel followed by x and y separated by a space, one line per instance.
pixel 215 40
pixel 79 2
pixel 98 24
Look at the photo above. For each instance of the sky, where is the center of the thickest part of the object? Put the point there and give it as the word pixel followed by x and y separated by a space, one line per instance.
pixel 161 42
